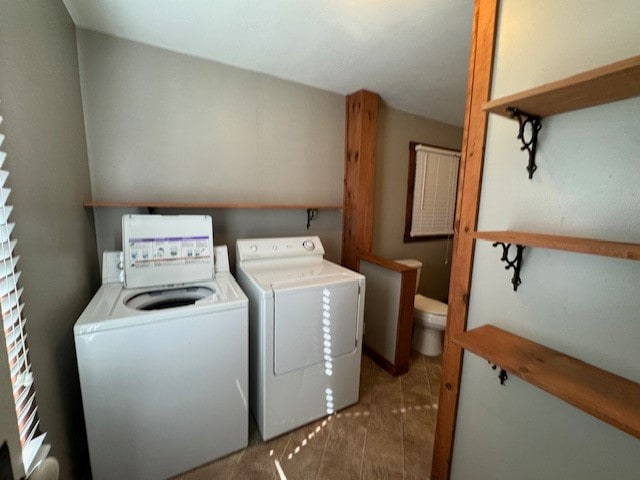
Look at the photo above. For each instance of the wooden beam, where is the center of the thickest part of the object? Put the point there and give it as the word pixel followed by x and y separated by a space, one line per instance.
pixel 361 129
pixel 469 182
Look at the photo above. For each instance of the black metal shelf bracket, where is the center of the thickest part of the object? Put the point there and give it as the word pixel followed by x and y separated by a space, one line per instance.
pixel 311 215
pixel 531 144
pixel 515 263
pixel 502 375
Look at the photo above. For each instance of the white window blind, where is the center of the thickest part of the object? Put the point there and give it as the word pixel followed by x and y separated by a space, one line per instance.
pixel 31 438
pixel 434 191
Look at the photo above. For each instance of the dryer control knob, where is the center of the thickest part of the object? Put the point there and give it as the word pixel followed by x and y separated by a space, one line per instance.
pixel 254 248
pixel 309 245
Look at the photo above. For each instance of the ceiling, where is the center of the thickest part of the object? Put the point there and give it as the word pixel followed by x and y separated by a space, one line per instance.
pixel 414 53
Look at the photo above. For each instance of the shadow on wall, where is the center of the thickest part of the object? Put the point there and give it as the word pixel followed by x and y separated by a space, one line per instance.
pixel 75 426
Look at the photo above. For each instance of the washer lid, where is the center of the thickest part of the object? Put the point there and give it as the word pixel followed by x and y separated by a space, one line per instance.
pixel 166 249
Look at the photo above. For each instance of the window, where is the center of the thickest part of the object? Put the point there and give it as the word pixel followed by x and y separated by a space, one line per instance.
pixel 24 396
pixel 431 192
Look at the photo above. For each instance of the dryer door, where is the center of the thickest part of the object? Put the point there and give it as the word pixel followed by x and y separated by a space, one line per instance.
pixel 315 321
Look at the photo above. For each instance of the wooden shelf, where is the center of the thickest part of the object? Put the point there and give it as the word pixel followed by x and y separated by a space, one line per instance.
pixel 610 83
pixel 247 206
pixel 613 399
pixel 572 244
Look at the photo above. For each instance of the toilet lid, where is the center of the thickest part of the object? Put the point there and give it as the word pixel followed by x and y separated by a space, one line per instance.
pixel 430 305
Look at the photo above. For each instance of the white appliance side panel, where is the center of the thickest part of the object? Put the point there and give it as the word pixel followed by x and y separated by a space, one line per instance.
pixel 165 397
pixel 260 320
pixel 306 318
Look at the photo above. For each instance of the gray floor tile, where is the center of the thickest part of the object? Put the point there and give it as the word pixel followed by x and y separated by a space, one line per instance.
pixel 387 435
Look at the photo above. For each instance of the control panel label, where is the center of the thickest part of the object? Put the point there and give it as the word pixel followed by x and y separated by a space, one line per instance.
pixel 159 251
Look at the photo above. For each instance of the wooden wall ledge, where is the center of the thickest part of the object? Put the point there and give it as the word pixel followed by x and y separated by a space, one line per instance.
pixel 611 398
pixel 589 246
pixel 610 83
pixel 248 206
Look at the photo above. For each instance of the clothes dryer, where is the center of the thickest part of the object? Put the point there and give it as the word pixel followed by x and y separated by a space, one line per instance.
pixel 305 331
pixel 162 353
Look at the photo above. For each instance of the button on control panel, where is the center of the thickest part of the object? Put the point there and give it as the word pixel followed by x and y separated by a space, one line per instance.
pixel 309 245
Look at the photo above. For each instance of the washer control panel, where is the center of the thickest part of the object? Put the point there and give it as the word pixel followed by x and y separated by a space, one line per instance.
pixel 272 248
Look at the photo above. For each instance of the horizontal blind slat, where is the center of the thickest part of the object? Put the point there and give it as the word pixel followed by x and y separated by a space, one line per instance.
pixel 21 394
pixel 8 284
pixel 4 195
pixel 10 301
pixel 16 349
pixel 5 213
pixel 7 267
pixel 6 248
pixel 13 338
pixel 26 409
pixel 20 365
pixel 28 428
pixel 5 231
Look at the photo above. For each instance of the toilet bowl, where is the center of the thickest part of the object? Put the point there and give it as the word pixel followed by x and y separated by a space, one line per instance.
pixel 429 318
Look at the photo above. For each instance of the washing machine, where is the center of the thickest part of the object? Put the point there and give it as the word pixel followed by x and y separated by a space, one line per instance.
pixel 162 353
pixel 305 331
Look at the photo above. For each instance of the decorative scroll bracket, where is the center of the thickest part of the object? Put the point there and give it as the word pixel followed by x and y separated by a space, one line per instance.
pixel 311 215
pixel 502 375
pixel 530 146
pixel 515 263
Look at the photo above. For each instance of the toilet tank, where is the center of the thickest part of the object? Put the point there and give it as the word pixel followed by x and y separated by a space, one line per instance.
pixel 412 262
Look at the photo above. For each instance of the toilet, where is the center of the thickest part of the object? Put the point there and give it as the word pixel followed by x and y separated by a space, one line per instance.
pixel 429 318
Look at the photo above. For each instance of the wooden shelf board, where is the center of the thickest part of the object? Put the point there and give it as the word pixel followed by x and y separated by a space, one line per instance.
pixel 247 206
pixel 611 398
pixel 616 81
pixel 572 244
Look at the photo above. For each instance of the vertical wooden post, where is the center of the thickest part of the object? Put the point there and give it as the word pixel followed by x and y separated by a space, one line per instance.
pixel 470 178
pixel 361 128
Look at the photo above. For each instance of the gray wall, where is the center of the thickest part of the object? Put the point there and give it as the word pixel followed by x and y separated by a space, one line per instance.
pixel 586 306
pixel 47 158
pixel 169 127
pixel 230 225
pixel 395 130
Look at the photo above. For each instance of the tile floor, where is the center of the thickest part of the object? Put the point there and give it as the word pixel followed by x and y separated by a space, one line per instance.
pixel 388 434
